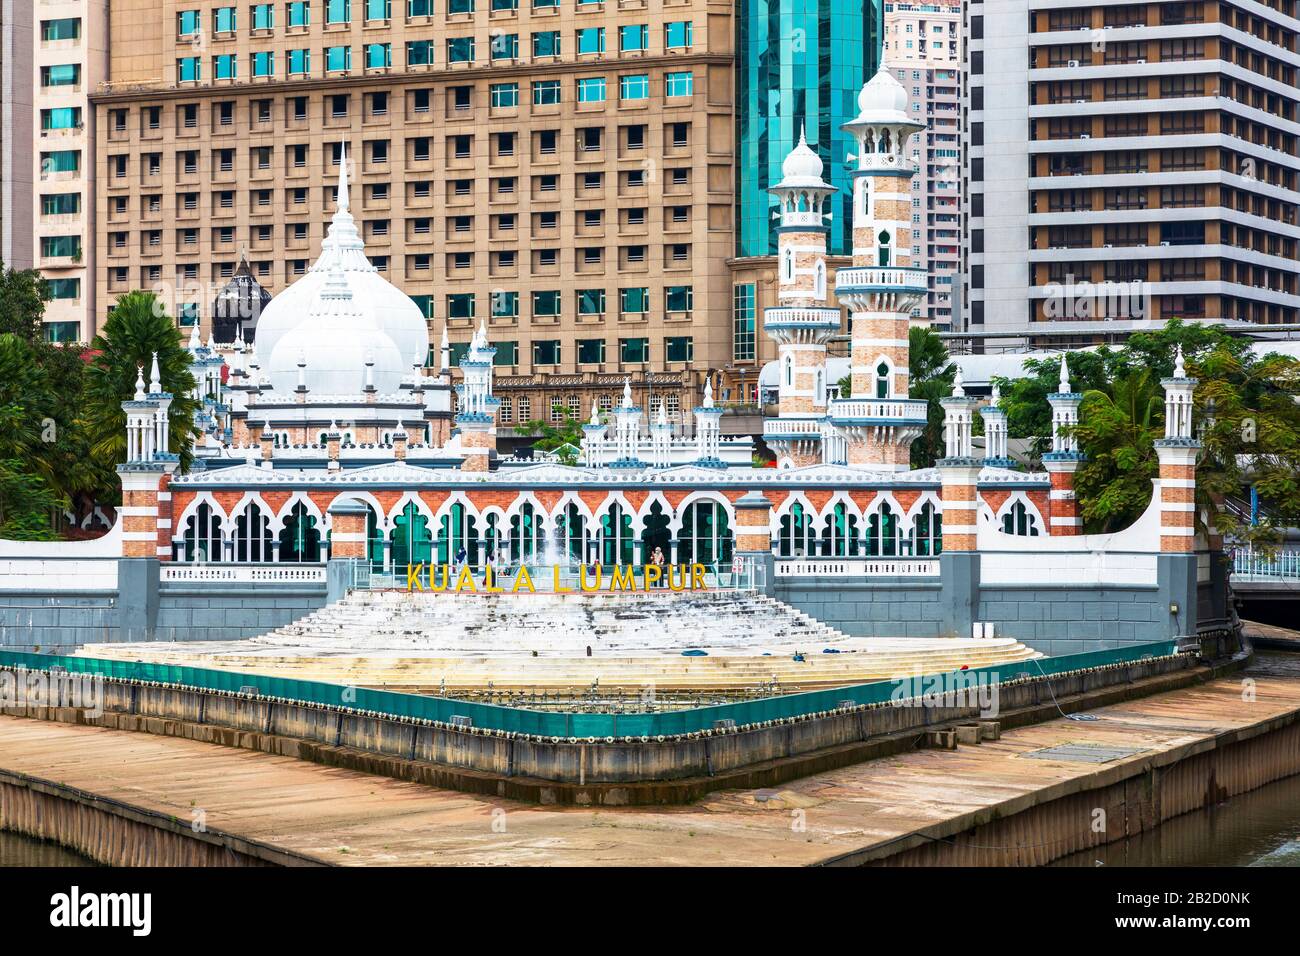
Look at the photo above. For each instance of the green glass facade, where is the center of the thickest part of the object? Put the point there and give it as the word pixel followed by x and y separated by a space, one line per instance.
pixel 798 62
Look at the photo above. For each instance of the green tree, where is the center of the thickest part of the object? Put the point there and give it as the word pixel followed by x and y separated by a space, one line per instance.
pixel 30 499
pixel 1117 428
pixel 23 294
pixel 137 328
pixel 563 439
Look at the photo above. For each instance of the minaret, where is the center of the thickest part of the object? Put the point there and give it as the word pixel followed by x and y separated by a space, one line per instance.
pixel 1177 453
pixel 708 426
pixel 878 421
pixel 627 432
pixel 477 415
pixel 800 324
pixel 995 432
pixel 593 439
pixel 1064 459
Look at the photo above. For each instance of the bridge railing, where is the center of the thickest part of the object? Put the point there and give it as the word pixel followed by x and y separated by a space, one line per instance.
pixel 562 724
pixel 1249 564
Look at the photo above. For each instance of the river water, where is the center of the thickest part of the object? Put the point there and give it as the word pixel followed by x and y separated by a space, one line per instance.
pixel 19 850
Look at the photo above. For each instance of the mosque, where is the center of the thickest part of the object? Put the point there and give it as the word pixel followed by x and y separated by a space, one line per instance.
pixel 331 455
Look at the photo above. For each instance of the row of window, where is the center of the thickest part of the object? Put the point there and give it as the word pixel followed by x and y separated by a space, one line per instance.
pixel 225 66
pixel 549 303
pixel 297 14
pixel 631 351
pixel 571 406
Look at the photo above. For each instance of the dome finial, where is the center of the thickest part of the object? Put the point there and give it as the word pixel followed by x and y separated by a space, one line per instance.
pixel 343 201
pixel 627 392
pixel 1180 370
pixel 595 412
pixel 195 343
pixel 1064 384
pixel 155 380
pixel 708 392
pixel 139 383
pixel 958 386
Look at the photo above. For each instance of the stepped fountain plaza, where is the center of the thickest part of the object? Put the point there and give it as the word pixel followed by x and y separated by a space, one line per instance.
pixel 348 517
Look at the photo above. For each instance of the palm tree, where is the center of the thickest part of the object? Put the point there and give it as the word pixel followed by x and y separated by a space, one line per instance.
pixel 1117 430
pixel 137 329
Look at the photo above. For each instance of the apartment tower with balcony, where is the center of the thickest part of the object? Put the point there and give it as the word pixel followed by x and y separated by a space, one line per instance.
pixel 1159 141
pixel 69 58
pixel 922 47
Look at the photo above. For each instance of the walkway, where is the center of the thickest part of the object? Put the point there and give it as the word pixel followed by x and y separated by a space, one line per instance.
pixel 351 818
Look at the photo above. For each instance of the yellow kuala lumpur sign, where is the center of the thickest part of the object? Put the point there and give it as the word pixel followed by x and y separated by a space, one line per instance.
pixel 625 577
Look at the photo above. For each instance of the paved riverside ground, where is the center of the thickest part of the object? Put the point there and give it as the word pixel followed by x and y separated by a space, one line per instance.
pixel 346 817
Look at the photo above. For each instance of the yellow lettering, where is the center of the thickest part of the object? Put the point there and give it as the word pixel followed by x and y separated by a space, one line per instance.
pixel 523 577
pixel 624 578
pixel 487 582
pixel 560 588
pixel 440 586
pixel 674 582
pixel 697 577
pixel 413 582
pixel 465 578
pixel 582 579
pixel 652 574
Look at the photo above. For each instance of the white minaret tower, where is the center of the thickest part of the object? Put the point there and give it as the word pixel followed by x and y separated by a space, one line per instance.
pixel 476 416
pixel 878 421
pixel 627 431
pixel 801 325
pixel 708 426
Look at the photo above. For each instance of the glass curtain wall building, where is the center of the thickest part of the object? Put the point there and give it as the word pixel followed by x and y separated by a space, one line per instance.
pixel 798 62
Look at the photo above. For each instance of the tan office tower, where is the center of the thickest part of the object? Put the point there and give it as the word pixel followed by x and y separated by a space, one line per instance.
pixel 1160 144
pixel 563 170
pixel 922 48
pixel 69 60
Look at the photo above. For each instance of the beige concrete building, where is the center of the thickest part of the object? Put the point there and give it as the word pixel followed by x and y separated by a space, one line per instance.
pixel 69 59
pixel 563 170
pixel 922 49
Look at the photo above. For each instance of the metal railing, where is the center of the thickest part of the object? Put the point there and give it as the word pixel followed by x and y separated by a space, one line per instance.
pixel 559 724
pixel 1278 566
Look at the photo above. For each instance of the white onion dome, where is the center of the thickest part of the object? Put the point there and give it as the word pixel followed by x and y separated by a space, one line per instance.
pixel 882 99
pixel 336 339
pixel 389 310
pixel 802 168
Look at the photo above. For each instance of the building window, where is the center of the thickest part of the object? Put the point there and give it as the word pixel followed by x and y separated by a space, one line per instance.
pixel 591 89
pixel 677 35
pixel 300 13
pixel 64 288
pixel 420 53
pixel 263 16
pixel 636 87
pixel 742 318
pixel 379 56
pixel 634 351
pixel 591 40
pixel 679 84
pixel 263 64
pixel 546 352
pixel 460 305
pixel 338 58
pixel 505 95
pixel 635 301
pixel 546 92
pixel 678 298
pixel 338 11
pixel 591 351
pixel 299 62
pixel 187 69
pixel 64 74
pixel 546 43
pixel 507 354
pixel 591 301
pixel 379 9
pixel 504 46
pixel 67 28
pixel 460 49
pixel 679 348
pixel 419 8
pixel 505 305
pixel 64 117
pixel 633 37
pixel 224 20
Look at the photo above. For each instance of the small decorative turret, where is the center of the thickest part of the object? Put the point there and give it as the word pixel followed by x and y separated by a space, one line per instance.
pixel 995 432
pixel 708 422
pixel 627 431
pixel 593 439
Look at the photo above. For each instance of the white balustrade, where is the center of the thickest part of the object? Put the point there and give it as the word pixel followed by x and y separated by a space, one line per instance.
pixel 245 573
pixel 858 568
pixel 909 280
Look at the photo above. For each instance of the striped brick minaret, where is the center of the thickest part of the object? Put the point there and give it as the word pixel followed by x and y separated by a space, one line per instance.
pixel 1177 453
pixel 148 462
pixel 958 471
pixel 348 529
pixel 1064 459
pixel 879 421
pixel 800 324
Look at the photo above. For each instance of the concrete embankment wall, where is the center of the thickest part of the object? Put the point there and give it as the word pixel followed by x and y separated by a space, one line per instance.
pixel 1128 800
pixel 614 771
pixel 117 834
